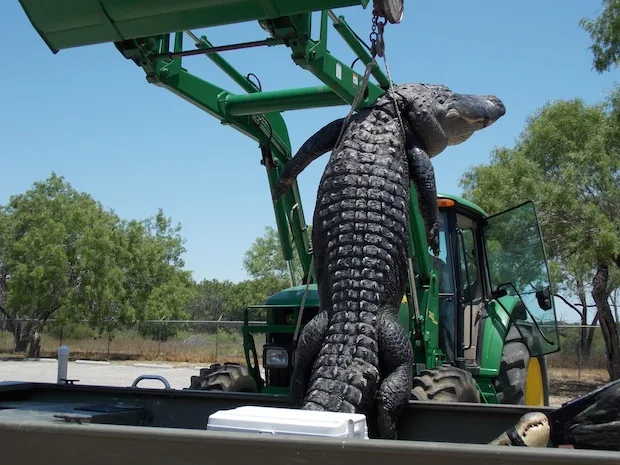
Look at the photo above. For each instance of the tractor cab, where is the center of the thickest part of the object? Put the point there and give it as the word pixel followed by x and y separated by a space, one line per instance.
pixel 499 261
pixel 494 291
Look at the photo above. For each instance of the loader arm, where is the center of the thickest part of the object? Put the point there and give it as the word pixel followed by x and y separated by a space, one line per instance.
pixel 153 38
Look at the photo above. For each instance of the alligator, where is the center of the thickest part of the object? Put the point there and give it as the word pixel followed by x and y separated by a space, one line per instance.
pixel 354 355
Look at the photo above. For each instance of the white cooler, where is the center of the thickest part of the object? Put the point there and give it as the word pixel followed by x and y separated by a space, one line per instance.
pixel 283 421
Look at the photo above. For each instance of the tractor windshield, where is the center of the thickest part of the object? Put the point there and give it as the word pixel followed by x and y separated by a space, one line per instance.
pixel 517 268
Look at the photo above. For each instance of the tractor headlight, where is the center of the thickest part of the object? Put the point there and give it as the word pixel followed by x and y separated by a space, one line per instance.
pixel 275 357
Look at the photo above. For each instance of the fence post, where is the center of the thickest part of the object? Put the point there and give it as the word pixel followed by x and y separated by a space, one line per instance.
pixel 109 342
pixel 579 354
pixel 62 327
pixel 217 338
pixel 159 338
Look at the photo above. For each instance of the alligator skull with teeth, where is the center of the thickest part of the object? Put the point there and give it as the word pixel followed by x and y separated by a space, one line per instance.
pixel 532 430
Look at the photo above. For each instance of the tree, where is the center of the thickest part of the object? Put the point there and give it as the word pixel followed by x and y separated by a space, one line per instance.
pixel 264 259
pixel 63 255
pixel 157 286
pixel 568 161
pixel 252 292
pixel 211 300
pixel 605 34
pixel 43 243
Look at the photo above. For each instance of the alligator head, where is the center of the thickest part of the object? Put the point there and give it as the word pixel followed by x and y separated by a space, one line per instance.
pixel 532 430
pixel 440 117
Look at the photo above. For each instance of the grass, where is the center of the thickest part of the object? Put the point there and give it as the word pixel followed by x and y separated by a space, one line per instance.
pixel 196 348
pixel 564 359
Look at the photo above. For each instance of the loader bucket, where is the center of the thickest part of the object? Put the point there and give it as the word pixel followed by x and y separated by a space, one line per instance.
pixel 65 24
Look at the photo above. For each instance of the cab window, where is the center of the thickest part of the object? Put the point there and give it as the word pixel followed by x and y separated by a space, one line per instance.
pixel 468 263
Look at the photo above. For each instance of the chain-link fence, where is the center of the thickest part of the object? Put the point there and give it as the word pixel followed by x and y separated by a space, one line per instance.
pixel 582 347
pixel 174 341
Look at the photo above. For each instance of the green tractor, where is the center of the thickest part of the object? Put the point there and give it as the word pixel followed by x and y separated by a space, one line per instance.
pixel 481 316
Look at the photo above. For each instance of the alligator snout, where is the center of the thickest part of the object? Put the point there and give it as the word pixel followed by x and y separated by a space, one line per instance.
pixel 495 109
pixel 476 109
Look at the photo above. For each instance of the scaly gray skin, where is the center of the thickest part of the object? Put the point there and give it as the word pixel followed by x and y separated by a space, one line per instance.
pixel 355 352
pixel 598 426
pixel 435 118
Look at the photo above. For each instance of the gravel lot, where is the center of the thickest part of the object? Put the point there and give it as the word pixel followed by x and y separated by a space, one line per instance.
pixel 45 370
pixel 564 384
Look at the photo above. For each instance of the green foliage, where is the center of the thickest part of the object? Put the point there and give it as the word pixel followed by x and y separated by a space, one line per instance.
pixel 63 254
pixel 605 34
pixel 224 299
pixel 264 258
pixel 70 330
pixel 267 268
pixel 253 292
pixel 210 300
pixel 157 287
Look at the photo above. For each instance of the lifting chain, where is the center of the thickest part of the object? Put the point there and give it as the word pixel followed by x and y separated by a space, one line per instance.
pixel 377 44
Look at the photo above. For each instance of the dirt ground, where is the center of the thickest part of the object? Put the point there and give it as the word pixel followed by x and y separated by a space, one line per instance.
pixel 566 384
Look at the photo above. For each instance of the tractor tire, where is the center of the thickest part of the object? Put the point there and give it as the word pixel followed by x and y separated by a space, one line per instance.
pixel 516 370
pixel 445 384
pixel 230 377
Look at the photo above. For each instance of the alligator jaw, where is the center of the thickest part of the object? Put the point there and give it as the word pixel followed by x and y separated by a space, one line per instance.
pixel 532 430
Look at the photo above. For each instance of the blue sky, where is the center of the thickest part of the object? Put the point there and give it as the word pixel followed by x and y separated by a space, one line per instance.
pixel 89 115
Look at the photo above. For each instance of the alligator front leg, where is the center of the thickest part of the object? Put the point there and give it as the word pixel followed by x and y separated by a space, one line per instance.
pixel 422 174
pixel 319 143
pixel 396 355
pixel 308 347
